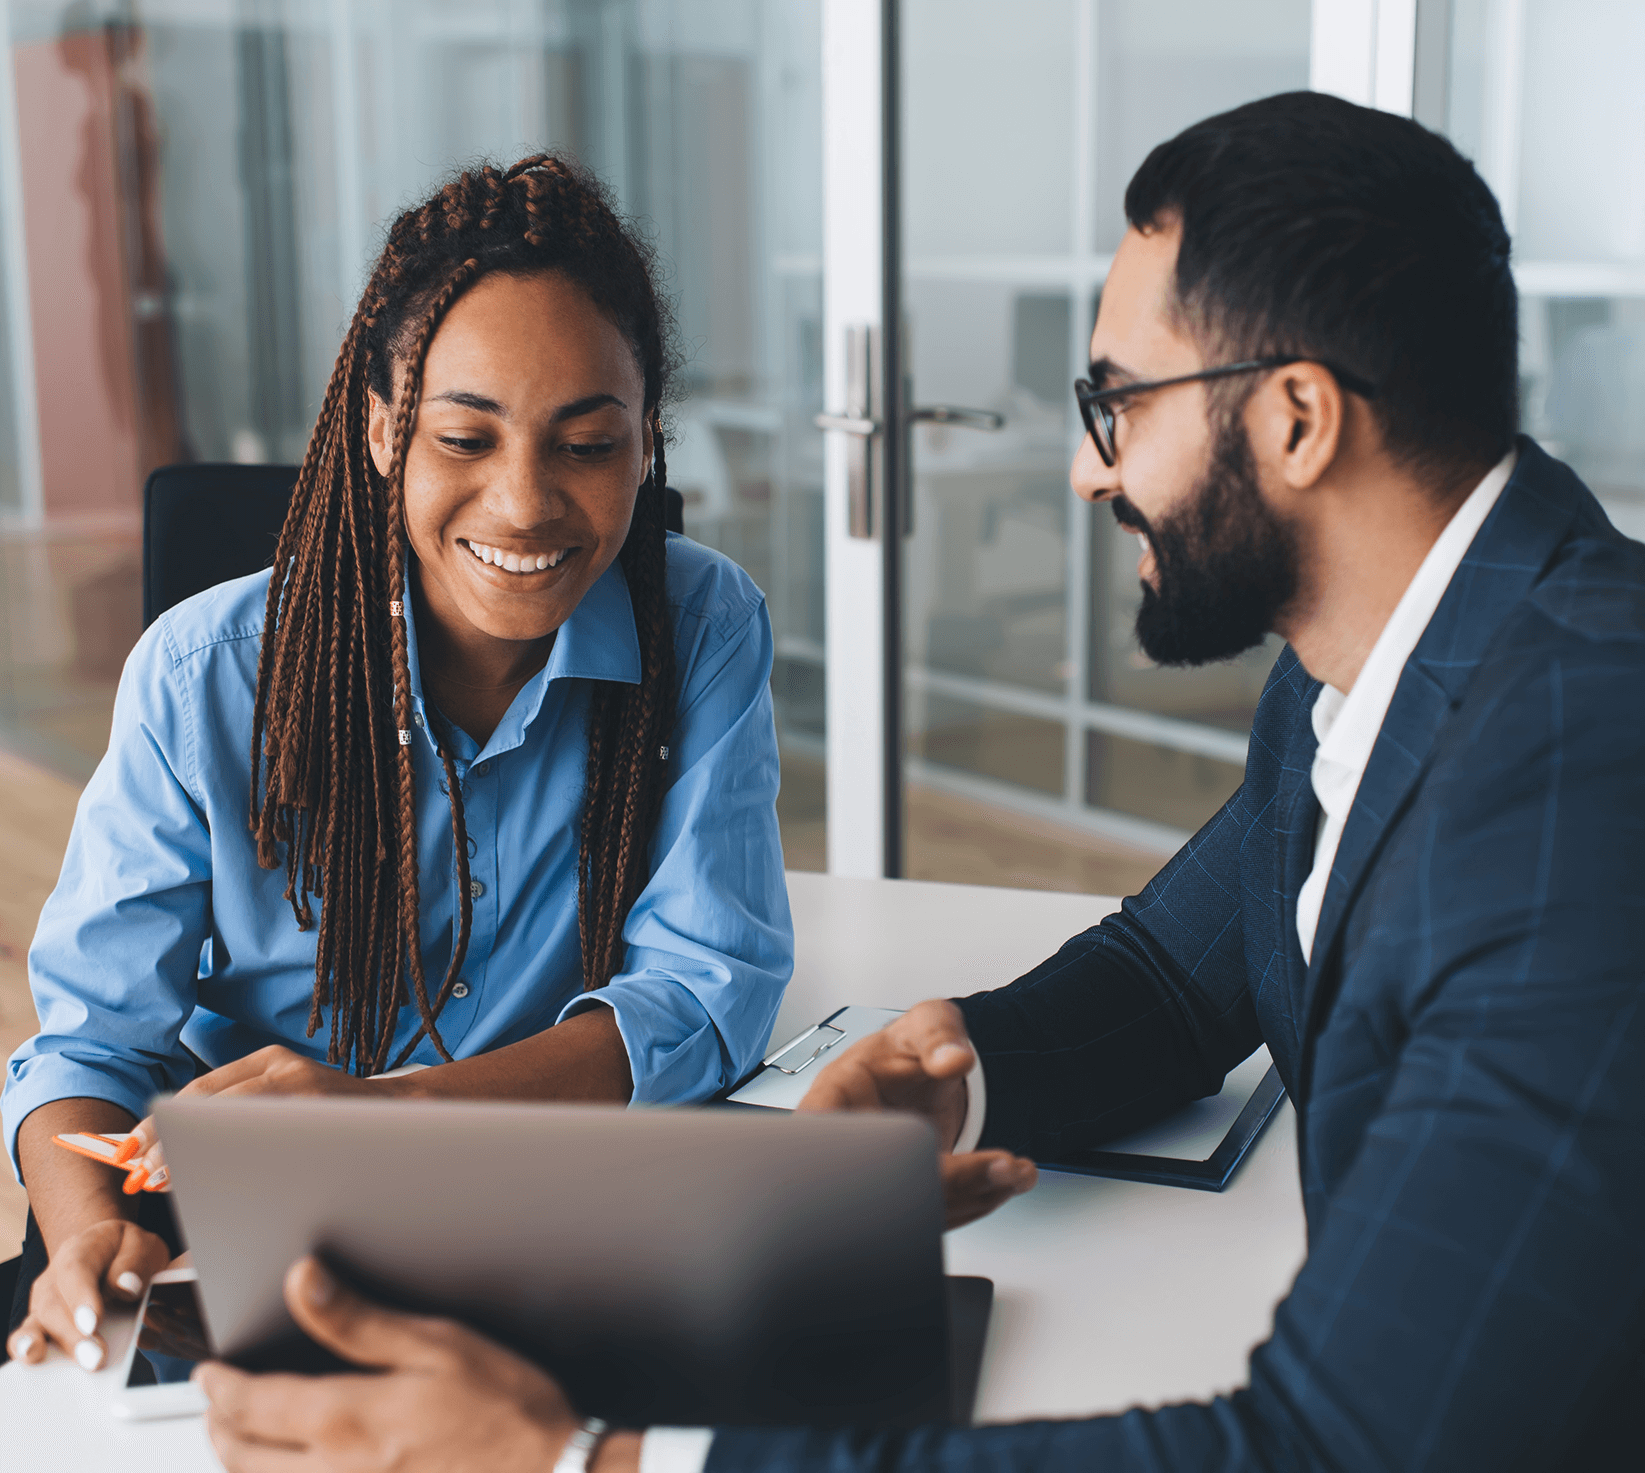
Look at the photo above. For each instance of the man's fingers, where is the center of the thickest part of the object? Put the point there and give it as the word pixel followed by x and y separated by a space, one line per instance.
pixel 240 1456
pixel 935 1030
pixel 928 1043
pixel 255 1422
pixel 974 1184
pixel 268 1409
pixel 366 1333
pixel 851 1082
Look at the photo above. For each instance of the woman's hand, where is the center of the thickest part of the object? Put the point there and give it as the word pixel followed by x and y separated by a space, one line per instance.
pixel 919 1064
pixel 270 1071
pixel 445 1398
pixel 114 1258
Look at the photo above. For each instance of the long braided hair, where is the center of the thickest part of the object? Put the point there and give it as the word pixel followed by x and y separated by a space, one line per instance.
pixel 333 795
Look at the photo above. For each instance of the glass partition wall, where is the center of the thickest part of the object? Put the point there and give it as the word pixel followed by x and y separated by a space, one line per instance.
pixel 1025 691
pixel 1545 97
pixel 191 192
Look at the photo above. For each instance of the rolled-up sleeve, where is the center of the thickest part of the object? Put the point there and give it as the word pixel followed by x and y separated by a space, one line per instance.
pixel 115 960
pixel 710 940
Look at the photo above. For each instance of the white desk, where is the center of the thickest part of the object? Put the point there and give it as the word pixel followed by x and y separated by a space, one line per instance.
pixel 1107 1293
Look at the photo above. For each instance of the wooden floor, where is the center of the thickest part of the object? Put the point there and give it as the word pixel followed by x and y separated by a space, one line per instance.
pixel 948 839
pixel 36 811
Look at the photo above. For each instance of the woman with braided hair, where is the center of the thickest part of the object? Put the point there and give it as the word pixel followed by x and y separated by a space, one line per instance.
pixel 508 747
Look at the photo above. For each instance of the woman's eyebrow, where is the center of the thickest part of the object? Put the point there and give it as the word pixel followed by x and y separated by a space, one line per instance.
pixel 469 400
pixel 586 405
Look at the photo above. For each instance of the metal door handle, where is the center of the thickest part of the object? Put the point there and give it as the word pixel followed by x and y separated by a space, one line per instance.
pixel 952 414
pixel 864 421
pixel 847 424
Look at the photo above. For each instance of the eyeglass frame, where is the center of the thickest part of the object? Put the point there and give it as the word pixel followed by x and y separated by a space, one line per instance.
pixel 1094 403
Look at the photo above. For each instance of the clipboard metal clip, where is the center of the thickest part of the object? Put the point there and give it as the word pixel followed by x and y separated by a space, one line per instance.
pixel 794 1056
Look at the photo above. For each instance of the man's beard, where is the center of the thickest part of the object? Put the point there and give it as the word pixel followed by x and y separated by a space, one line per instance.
pixel 1224 564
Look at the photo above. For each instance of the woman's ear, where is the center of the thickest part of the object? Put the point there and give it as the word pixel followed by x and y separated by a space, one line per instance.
pixel 380 432
pixel 648 440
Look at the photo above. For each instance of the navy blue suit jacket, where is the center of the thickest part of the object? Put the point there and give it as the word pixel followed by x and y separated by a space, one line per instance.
pixel 1466 1051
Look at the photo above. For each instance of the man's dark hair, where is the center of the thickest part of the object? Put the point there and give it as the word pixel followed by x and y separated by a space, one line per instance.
pixel 1350 236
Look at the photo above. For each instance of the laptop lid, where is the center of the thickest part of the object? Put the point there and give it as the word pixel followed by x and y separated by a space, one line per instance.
pixel 667 1266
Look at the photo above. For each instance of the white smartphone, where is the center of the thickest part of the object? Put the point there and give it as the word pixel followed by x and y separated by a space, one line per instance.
pixel 168 1342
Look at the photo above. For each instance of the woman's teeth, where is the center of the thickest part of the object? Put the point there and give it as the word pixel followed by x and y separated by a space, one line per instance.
pixel 514 562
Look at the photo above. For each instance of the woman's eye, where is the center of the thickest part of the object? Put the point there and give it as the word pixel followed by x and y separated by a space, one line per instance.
pixel 582 450
pixel 462 442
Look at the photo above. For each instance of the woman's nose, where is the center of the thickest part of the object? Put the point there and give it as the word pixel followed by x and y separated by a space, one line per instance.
pixel 524 492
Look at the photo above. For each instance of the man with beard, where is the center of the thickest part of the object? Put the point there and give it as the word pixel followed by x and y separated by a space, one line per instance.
pixel 1427 898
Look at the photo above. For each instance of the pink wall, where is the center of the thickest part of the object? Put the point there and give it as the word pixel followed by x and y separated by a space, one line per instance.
pixel 78 294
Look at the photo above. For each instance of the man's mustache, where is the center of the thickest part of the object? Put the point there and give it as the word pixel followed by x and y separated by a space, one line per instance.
pixel 1129 517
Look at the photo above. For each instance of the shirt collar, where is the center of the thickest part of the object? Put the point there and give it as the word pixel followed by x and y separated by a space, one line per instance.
pixel 1347 725
pixel 600 641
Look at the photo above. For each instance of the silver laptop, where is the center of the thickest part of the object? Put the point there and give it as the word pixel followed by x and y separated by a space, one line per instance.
pixel 667 1266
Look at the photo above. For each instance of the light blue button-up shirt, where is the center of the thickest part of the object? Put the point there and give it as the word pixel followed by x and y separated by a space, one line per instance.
pixel 163 934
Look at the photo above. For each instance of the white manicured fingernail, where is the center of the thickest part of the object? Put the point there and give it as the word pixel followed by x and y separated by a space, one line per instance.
pixel 89 1354
pixel 85 1320
pixel 21 1346
pixel 130 1283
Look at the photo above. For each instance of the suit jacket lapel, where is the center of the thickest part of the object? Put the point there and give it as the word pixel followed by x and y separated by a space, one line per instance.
pixel 1526 525
pixel 1297 813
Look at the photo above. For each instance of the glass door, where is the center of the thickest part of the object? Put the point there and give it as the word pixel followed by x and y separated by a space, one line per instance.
pixel 1040 747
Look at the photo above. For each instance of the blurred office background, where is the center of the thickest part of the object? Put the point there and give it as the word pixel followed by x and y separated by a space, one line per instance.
pixel 191 192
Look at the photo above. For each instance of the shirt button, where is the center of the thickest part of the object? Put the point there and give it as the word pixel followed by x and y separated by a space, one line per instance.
pixel 481 769
pixel 476 888
pixel 460 990
pixel 416 718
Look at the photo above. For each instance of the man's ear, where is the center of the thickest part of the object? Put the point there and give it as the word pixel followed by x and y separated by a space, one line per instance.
pixel 380 432
pixel 1295 421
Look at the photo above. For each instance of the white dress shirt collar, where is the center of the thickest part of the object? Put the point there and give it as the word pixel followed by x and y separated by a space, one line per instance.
pixel 1347 726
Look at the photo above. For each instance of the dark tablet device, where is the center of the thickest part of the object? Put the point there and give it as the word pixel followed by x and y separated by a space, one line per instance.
pixel 687 1266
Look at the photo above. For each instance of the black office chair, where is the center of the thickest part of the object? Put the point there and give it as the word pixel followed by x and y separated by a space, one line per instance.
pixel 205 524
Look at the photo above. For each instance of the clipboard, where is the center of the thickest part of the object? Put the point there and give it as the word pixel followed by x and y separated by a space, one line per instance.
pixel 1251 1093
pixel 786 1073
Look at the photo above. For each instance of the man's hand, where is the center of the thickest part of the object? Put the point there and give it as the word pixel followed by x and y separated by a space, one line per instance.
pixel 269 1071
pixel 918 1064
pixel 447 1399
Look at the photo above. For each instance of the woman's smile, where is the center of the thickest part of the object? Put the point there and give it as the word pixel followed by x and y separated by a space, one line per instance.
pixel 509 560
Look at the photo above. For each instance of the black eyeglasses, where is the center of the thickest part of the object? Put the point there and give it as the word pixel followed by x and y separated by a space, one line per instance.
pixel 1095 404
